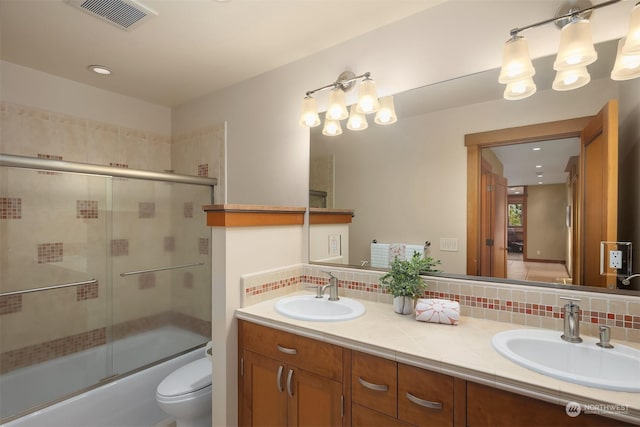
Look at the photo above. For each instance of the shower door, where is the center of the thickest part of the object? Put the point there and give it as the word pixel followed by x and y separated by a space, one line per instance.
pixel 54 283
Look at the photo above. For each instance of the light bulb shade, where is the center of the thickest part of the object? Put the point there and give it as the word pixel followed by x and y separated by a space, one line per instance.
pixel 570 79
pixel 627 66
pixel 309 116
pixel 331 127
pixel 368 99
pixel 386 115
pixel 357 121
pixel 337 107
pixel 576 46
pixel 632 44
pixel 516 62
pixel 520 89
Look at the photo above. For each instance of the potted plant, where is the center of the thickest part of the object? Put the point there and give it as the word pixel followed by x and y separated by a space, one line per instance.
pixel 403 280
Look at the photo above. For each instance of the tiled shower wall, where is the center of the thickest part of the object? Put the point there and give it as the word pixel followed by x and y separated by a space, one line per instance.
pixel 53 225
pixel 519 304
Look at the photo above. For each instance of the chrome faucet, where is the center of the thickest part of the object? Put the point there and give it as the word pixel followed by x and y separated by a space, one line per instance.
pixel 571 321
pixel 332 285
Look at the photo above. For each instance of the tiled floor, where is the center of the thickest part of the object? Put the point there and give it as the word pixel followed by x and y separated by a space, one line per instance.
pixel 536 271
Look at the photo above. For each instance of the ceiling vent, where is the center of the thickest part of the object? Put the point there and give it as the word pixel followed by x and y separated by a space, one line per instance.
pixel 124 14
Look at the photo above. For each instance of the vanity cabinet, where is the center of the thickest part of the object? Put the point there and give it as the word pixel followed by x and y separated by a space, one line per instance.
pixel 288 380
pixel 385 392
pixel 487 406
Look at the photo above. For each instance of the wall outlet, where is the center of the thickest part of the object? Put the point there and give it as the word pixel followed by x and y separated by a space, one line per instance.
pixel 615 259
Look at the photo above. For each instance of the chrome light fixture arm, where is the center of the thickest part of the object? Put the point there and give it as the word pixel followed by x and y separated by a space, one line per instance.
pixel 345 81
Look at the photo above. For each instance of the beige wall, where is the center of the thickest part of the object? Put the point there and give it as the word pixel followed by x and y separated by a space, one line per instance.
pixel 546 222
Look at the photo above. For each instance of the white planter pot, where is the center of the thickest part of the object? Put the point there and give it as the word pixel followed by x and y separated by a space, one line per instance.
pixel 403 305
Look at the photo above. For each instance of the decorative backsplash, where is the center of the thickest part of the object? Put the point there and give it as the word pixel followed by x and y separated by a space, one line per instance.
pixel 520 304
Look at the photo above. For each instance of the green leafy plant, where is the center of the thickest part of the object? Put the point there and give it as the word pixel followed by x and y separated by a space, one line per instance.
pixel 403 279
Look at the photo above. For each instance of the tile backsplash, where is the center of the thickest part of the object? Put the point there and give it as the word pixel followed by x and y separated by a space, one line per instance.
pixel 520 304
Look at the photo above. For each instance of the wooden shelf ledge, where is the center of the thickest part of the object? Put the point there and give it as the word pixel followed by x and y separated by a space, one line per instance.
pixel 233 215
pixel 330 216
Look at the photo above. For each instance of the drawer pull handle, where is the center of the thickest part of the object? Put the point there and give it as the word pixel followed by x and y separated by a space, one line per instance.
pixel 289 387
pixel 424 403
pixel 372 386
pixel 286 350
pixel 279 379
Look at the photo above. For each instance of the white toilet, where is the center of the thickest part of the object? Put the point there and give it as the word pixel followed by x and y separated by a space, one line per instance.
pixel 185 394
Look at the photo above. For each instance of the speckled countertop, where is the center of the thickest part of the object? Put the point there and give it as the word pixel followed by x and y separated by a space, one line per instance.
pixel 464 351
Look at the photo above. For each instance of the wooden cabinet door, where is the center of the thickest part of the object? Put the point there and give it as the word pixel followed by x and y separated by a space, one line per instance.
pixel 425 398
pixel 264 396
pixel 313 400
pixel 374 383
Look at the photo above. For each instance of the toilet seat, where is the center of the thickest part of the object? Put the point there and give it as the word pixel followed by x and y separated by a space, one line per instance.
pixel 187 380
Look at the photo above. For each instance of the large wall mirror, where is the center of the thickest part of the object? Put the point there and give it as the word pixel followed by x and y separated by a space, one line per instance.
pixel 408 183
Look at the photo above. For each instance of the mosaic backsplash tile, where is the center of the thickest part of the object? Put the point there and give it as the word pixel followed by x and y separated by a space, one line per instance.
pixel 88 291
pixel 10 208
pixel 146 210
pixel 519 304
pixel 87 209
pixel 10 304
pixel 203 246
pixel 188 210
pixel 50 252
pixel 119 247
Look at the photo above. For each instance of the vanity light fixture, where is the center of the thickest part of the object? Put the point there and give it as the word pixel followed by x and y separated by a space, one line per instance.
pixel 536 148
pixel 368 103
pixel 575 51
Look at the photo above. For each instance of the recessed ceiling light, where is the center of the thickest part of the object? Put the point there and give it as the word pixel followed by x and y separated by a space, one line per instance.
pixel 536 149
pixel 540 182
pixel 516 192
pixel 99 69
pixel 538 166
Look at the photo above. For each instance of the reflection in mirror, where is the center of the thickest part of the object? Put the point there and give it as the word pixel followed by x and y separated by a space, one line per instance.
pixel 408 183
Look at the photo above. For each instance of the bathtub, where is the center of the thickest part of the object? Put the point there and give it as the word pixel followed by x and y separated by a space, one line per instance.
pixel 126 402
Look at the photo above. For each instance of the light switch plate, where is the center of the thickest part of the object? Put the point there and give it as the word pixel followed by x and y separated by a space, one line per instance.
pixel 334 245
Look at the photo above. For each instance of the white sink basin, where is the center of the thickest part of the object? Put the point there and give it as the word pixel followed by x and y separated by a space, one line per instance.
pixel 308 307
pixel 583 363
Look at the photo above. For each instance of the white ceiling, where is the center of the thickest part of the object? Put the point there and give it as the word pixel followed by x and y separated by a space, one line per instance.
pixel 192 47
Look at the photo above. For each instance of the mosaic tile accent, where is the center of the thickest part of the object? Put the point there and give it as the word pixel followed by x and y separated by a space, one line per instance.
pixel 169 243
pixel 203 170
pixel 119 247
pixel 188 210
pixel 49 157
pixel 188 280
pixel 10 208
pixel 146 210
pixel 147 281
pixel 10 304
pixel 87 209
pixel 30 355
pixel 88 291
pixel 119 165
pixel 290 282
pixel 203 246
pixel 50 252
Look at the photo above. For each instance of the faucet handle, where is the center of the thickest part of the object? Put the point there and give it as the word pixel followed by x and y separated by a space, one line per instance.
pixel 329 273
pixel 605 337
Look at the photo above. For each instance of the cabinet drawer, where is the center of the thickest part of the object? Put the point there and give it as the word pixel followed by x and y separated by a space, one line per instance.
pixel 318 357
pixel 374 383
pixel 424 397
pixel 365 417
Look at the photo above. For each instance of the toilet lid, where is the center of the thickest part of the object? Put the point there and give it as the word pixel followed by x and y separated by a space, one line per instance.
pixel 187 379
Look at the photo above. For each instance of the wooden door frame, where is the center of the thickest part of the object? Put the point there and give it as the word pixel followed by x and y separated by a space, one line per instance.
pixel 475 142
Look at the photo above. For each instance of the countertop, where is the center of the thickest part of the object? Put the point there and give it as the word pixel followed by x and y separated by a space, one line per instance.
pixel 463 351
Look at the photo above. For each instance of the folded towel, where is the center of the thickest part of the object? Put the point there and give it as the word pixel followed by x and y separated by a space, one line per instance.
pixel 380 255
pixel 438 311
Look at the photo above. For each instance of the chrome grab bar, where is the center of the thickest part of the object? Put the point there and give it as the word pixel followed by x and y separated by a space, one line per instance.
pixel 48 288
pixel 173 267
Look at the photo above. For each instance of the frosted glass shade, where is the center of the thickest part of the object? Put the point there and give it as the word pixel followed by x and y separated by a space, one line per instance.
pixel 368 99
pixel 520 89
pixel 576 46
pixel 632 44
pixel 331 127
pixel 572 78
pixel 309 116
pixel 336 107
pixel 386 115
pixel 516 62
pixel 627 66
pixel 357 121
